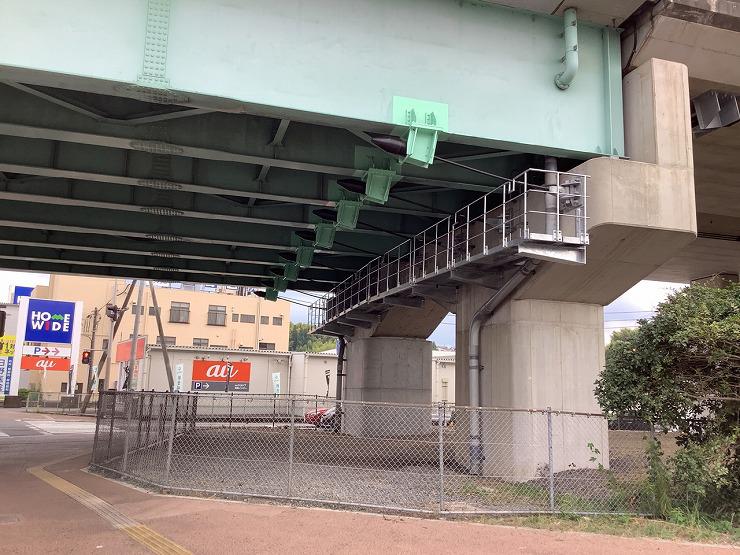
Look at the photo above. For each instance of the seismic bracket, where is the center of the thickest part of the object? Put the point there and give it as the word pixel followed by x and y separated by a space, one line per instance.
pixel 421 123
pixel 378 184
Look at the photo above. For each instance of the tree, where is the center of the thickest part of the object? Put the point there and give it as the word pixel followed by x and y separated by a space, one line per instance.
pixel 300 339
pixel 680 369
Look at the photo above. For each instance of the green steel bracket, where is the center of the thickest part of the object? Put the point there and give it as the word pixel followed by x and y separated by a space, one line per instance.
pixel 290 271
pixel 422 121
pixel 304 254
pixel 420 146
pixel 154 70
pixel 325 234
pixel 347 213
pixel 271 294
pixel 281 284
pixel 378 184
pixel 371 157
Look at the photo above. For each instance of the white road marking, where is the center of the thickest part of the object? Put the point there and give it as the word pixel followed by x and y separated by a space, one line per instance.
pixel 63 427
pixel 2 434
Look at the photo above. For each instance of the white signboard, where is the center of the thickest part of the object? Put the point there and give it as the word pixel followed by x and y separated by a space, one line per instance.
pixel 276 383
pixel 179 370
pixel 47 351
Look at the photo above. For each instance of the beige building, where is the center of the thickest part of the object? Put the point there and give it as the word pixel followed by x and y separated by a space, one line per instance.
pixel 202 316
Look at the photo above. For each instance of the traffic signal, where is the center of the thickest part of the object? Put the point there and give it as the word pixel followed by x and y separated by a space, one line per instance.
pixel 85 357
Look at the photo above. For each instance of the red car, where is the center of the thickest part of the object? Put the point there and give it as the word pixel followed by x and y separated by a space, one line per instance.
pixel 314 416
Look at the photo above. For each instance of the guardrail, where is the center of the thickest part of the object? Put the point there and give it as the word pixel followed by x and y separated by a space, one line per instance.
pixel 537 206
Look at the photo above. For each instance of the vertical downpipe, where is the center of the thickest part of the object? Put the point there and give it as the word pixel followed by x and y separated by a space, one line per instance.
pixel 564 79
pixel 341 350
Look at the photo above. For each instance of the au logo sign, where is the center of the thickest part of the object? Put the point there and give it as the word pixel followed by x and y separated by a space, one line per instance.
pixel 49 321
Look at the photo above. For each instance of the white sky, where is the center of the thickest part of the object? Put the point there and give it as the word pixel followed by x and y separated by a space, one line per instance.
pixel 638 302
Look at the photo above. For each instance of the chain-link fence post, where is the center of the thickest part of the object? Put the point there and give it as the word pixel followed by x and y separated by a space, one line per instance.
pixel 440 424
pixel 171 439
pixel 127 410
pixel 112 422
pixel 551 470
pixel 98 416
pixel 291 442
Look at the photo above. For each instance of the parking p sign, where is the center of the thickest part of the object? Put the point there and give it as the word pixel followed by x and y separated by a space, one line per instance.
pixel 49 321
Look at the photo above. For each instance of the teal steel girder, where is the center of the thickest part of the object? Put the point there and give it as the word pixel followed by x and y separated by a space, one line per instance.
pixel 491 65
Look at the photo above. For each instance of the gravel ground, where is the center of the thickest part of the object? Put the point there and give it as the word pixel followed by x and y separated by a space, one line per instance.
pixel 334 468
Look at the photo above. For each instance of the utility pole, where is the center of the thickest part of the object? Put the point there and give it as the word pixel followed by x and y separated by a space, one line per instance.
pixel 137 316
pixel 92 351
pixel 160 327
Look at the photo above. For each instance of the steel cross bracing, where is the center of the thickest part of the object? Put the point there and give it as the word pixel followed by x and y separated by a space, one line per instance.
pixel 542 216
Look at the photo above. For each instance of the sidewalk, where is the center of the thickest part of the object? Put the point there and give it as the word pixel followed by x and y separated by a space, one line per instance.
pixel 48 521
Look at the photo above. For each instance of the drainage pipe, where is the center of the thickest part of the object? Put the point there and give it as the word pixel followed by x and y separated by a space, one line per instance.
pixel 341 350
pixel 482 315
pixel 570 34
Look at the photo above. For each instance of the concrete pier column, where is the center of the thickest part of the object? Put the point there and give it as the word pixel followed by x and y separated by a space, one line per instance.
pixel 535 354
pixel 388 370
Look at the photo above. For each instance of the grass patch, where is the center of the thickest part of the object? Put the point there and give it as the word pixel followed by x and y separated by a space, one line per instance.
pixel 704 531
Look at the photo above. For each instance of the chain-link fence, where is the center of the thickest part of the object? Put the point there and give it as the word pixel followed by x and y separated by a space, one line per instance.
pixel 62 403
pixel 391 456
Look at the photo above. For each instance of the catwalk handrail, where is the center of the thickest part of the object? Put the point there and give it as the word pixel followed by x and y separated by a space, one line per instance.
pixel 537 206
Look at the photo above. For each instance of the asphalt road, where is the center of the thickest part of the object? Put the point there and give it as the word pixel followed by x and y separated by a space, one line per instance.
pixel 36 516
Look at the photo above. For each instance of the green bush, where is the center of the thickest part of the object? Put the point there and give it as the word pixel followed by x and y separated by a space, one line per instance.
pixel 23 394
pixel 706 476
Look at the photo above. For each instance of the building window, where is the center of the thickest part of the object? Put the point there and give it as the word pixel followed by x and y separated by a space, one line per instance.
pixel 235 317
pixel 168 340
pixel 267 346
pixel 216 315
pixel 264 319
pixel 277 320
pixel 105 344
pixel 200 342
pixel 63 387
pixel 246 348
pixel 223 347
pixel 247 319
pixel 180 313
pixel 135 308
pixel 152 311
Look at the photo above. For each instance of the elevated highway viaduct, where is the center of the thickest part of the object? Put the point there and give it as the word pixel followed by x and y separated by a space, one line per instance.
pixel 297 144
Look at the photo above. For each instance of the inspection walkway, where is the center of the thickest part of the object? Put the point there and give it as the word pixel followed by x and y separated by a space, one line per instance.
pixel 37 516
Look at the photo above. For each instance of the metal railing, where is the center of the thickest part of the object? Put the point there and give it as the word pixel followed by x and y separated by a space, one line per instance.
pixel 377 455
pixel 62 403
pixel 536 206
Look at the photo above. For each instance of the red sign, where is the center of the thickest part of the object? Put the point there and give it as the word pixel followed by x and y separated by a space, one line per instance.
pixel 123 350
pixel 44 363
pixel 217 370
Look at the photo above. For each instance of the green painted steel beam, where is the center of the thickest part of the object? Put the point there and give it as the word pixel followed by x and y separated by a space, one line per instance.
pixel 103 259
pixel 508 99
pixel 167 230
pixel 178 250
pixel 56 267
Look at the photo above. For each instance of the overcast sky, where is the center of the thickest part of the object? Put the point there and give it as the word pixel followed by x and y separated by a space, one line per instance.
pixel 638 302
